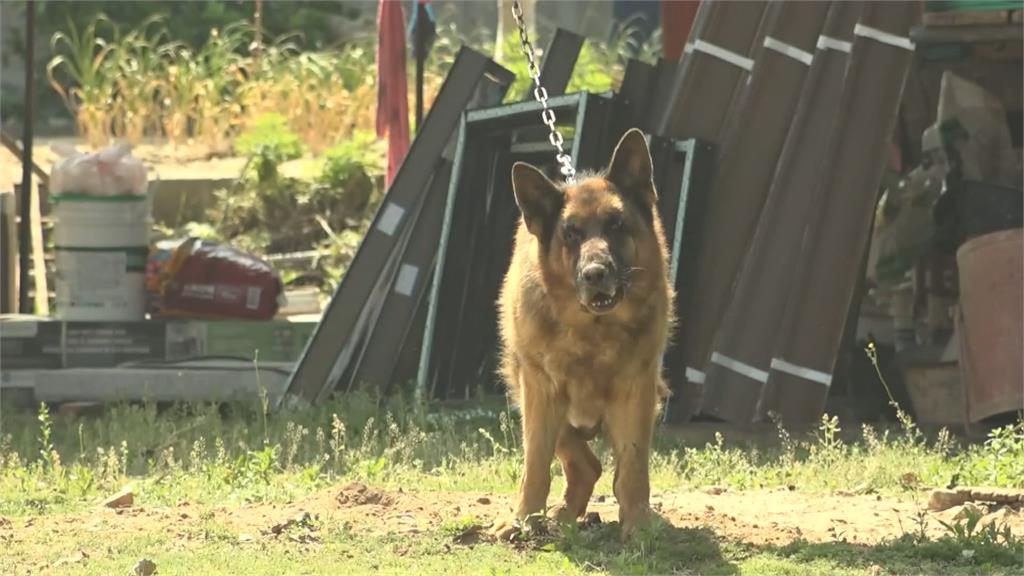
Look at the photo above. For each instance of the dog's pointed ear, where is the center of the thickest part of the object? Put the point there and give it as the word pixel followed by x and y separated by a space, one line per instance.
pixel 631 169
pixel 539 199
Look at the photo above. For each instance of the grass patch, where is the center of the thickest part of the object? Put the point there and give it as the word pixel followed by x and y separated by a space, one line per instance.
pixel 210 456
pixel 217 454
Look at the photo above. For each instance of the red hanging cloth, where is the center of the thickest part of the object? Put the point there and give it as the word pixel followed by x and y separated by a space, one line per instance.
pixel 392 103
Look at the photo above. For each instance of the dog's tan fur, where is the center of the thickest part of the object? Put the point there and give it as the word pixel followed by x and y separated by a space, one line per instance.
pixel 572 372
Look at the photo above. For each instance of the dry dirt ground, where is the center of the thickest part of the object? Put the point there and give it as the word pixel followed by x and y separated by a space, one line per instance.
pixel 757 517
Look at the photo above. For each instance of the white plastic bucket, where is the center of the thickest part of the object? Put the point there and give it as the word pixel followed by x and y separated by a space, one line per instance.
pixel 101 245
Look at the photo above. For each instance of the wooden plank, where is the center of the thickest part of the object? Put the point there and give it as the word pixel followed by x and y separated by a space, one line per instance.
pixel 39 283
pixel 699 101
pixel 969 18
pixel 226 382
pixel 37 256
pixel 8 254
pixel 966 34
pixel 677 21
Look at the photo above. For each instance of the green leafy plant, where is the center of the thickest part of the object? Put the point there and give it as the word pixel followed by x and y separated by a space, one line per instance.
pixel 268 142
pixel 361 153
pixel 1006 463
pixel 983 543
pixel 254 467
pixel 46 451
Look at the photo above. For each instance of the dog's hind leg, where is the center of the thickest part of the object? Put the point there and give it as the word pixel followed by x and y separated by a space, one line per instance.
pixel 581 468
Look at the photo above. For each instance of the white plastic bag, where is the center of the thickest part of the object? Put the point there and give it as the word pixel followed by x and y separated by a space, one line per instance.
pixel 112 171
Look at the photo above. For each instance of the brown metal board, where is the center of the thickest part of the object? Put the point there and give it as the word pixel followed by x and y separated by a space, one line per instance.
pixel 559 62
pixel 756 131
pixel 745 168
pixel 715 63
pixel 555 74
pixel 659 97
pixel 748 330
pixel 633 99
pixel 822 289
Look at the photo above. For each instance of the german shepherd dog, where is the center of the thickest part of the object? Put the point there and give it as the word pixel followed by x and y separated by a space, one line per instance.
pixel 585 314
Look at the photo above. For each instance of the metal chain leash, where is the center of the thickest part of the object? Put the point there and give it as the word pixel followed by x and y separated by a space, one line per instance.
pixel 540 94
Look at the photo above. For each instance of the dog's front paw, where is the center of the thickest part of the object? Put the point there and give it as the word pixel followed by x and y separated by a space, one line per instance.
pixel 506 529
pixel 633 520
pixel 562 513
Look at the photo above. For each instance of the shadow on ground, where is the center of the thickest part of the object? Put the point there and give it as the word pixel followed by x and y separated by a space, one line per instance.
pixel 660 548
pixel 664 548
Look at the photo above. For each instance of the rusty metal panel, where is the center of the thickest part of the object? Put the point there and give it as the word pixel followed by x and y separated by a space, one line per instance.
pixel 632 101
pixel 559 62
pixel 748 330
pixel 755 134
pixel 717 59
pixel 836 238
pixel 716 62
pixel 659 96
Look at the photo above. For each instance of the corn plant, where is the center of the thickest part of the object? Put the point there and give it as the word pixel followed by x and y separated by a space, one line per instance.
pixel 82 59
pixel 179 91
pixel 139 63
pixel 222 66
pixel 144 84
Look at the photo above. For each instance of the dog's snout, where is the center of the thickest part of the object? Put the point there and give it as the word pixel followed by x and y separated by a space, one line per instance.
pixel 595 274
